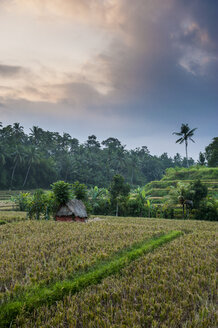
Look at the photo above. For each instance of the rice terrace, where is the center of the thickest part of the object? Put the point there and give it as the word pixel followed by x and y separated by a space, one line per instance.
pixel 171 286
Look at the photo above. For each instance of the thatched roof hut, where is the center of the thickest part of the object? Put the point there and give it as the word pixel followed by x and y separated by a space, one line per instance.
pixel 73 210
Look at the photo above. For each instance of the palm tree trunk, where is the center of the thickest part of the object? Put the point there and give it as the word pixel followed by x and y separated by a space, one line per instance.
pixel 27 175
pixel 12 175
pixel 117 209
pixel 186 151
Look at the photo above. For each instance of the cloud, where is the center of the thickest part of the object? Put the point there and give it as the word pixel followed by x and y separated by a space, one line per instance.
pixel 10 71
pixel 158 69
pixel 83 11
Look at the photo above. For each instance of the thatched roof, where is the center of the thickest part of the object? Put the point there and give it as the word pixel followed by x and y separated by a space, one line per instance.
pixel 73 207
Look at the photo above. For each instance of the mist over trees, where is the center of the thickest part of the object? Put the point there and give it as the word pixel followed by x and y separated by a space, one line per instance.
pixel 37 159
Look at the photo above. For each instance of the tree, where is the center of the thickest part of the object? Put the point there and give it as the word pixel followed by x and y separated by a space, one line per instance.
pixel 198 191
pixel 177 159
pixel 185 134
pixel 202 159
pixel 79 190
pixel 211 153
pixel 118 189
pixel 61 192
pixel 179 194
pixel 17 158
pixel 32 157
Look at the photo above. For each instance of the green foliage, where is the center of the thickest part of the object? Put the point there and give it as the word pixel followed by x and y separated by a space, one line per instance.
pixel 99 201
pixel 207 210
pixel 36 204
pixel 118 187
pixel 185 134
pixel 183 193
pixel 61 192
pixel 42 157
pixel 2 222
pixel 119 190
pixel 196 192
pixel 211 153
pixel 202 159
pixel 21 200
pixel 193 173
pixel 79 190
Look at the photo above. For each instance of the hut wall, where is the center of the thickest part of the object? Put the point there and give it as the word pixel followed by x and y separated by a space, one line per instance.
pixel 78 219
pixel 64 218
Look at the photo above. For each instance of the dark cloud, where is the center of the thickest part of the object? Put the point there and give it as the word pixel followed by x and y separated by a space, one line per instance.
pixel 205 13
pixel 10 71
pixel 163 67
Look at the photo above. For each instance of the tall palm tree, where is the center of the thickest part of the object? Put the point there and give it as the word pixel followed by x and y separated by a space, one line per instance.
pixel 35 135
pixel 32 157
pixel 185 134
pixel 17 155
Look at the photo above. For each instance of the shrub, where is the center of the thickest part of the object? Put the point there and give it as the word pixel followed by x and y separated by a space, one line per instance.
pixel 79 190
pixel 197 191
pixel 207 210
pixel 61 192
pixel 37 204
pixel 21 200
pixel 136 207
pixel 119 191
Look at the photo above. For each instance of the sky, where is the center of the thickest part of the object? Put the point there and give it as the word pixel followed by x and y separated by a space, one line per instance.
pixel 134 70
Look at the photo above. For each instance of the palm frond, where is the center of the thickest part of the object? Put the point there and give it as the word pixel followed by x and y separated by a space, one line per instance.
pixel 192 140
pixel 177 133
pixel 191 131
pixel 180 140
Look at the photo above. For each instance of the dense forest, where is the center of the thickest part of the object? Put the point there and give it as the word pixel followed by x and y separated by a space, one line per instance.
pixel 41 157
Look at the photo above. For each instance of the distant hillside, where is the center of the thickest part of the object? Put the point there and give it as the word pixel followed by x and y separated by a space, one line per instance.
pixel 158 189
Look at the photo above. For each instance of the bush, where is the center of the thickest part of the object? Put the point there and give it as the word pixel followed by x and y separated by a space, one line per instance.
pixel 61 192
pixel 103 207
pixel 198 191
pixel 21 200
pixel 79 190
pixel 207 210
pixel 136 207
pixel 36 204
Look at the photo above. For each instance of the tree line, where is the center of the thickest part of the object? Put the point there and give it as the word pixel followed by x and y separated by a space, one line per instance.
pixel 37 159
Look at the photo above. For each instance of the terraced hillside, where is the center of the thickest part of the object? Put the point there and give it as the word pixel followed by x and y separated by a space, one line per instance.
pixel 5 200
pixel 6 203
pixel 156 190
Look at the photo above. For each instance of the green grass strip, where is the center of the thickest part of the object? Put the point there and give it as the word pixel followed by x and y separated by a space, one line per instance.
pixel 36 297
pixel 2 222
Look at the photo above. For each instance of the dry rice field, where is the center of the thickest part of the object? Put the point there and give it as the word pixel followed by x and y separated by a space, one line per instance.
pixel 171 286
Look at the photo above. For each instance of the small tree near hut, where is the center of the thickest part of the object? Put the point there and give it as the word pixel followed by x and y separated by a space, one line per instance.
pixel 61 192
pixel 79 191
pixel 118 190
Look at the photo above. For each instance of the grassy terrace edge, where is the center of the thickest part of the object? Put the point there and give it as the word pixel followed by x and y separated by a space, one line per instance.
pixel 34 298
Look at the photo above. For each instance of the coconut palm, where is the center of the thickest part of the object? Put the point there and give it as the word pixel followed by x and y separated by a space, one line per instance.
pixel 32 157
pixel 185 134
pixel 17 156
